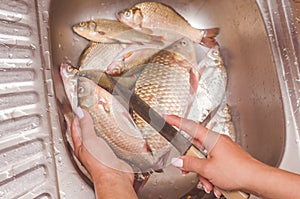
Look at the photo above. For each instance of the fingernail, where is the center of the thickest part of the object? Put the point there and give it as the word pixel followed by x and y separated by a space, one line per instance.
pixel 177 162
pixel 199 185
pixel 183 173
pixel 217 195
pixel 79 113
pixel 205 189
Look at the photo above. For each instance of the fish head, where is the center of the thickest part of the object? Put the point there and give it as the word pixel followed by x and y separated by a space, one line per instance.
pixel 184 48
pixel 90 94
pixel 132 17
pixel 68 72
pixel 87 93
pixel 85 27
pixel 69 75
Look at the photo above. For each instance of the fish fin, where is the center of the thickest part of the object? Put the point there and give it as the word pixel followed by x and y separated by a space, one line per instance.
pixel 212 32
pixel 209 42
pixel 208 38
pixel 194 79
pixel 127 55
pixel 146 30
pixel 159 40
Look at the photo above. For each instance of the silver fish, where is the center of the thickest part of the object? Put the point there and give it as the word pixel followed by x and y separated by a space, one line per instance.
pixel 166 84
pixel 222 122
pixel 114 124
pixel 211 87
pixel 130 60
pixel 154 16
pixel 111 31
pixel 69 76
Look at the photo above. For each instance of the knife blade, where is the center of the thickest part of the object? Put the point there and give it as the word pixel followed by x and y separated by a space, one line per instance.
pixel 181 143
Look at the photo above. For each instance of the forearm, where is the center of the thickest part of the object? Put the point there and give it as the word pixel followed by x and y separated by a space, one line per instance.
pixel 274 183
pixel 114 186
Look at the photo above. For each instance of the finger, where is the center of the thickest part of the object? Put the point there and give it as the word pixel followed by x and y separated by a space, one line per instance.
pixel 184 172
pixel 217 193
pixel 86 122
pixel 206 185
pixel 192 164
pixel 192 128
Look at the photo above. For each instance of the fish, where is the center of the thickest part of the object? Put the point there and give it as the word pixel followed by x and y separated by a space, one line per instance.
pixel 222 122
pixel 112 31
pixel 130 61
pixel 211 86
pixel 114 124
pixel 98 56
pixel 150 17
pixel 101 79
pixel 69 75
pixel 166 84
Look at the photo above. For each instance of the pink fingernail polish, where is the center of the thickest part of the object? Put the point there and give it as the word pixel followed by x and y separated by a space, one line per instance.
pixel 177 162
pixel 205 189
pixel 217 195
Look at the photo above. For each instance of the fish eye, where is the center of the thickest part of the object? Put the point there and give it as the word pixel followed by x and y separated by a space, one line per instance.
pixel 127 14
pixel 82 24
pixel 69 68
pixel 80 89
pixel 92 25
pixel 183 43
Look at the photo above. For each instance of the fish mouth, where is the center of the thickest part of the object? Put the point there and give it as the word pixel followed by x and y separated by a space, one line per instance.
pixel 119 15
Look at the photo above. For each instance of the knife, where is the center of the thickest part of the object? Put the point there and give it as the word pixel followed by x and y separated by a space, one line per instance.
pixel 181 143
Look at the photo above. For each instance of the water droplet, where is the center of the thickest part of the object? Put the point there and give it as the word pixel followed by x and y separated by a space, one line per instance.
pixel 45 16
pixel 32 46
pixel 59 159
pixel 29 63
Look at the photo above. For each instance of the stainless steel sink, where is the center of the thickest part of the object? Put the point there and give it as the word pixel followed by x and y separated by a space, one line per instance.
pixel 260 47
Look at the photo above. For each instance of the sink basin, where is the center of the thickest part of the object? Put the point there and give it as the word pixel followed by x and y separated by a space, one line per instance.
pixel 258 44
pixel 253 91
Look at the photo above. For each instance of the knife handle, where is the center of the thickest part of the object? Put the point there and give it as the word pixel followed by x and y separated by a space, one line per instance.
pixel 193 151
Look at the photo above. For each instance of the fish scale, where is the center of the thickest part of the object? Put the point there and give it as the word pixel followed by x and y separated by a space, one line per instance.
pixel 165 85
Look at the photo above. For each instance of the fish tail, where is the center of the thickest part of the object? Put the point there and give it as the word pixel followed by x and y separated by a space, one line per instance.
pixel 208 38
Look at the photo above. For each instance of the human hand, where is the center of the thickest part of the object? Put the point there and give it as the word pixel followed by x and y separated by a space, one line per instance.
pixel 105 168
pixel 227 166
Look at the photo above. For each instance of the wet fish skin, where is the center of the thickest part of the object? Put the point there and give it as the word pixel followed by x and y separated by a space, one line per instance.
pixel 152 16
pixel 98 56
pixel 211 87
pixel 113 123
pixel 165 84
pixel 111 31
pixel 222 122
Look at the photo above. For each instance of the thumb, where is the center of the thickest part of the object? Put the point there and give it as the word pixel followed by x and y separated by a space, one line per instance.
pixel 85 121
pixel 191 164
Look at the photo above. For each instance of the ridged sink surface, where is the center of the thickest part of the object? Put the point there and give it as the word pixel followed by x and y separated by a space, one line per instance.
pixel 36 37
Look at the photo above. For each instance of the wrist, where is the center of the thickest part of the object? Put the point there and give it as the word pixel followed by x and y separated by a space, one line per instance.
pixel 257 177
